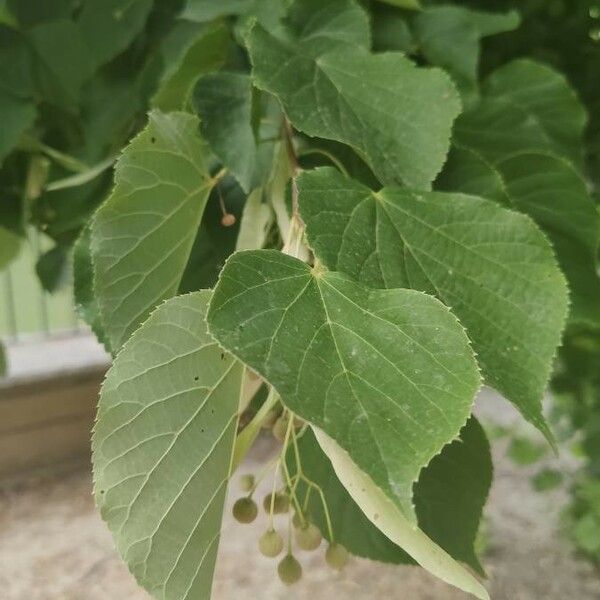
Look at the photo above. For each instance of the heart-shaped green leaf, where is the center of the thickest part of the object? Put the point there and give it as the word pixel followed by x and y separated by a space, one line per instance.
pixel 395 115
pixel 467 251
pixel 389 374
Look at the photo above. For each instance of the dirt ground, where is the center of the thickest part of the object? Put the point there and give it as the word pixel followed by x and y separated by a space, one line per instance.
pixel 53 546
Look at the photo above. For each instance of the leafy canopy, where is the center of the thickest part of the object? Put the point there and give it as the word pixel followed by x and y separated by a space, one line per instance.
pixel 383 228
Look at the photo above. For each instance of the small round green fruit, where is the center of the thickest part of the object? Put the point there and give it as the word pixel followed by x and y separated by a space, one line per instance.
pixel 281 503
pixel 308 537
pixel 337 556
pixel 289 570
pixel 245 510
pixel 270 543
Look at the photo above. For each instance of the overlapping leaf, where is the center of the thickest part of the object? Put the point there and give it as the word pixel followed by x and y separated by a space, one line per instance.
pixel 449 499
pixel 449 36
pixel 467 251
pixel 388 374
pixel 162 449
pixel 143 234
pixel 384 514
pixel 223 102
pixel 522 145
pixel 398 117
pixel 200 51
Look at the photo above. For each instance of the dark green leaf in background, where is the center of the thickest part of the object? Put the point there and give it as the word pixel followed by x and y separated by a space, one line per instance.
pixel 449 498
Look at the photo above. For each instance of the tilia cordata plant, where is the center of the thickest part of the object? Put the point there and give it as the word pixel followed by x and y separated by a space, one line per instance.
pixel 331 227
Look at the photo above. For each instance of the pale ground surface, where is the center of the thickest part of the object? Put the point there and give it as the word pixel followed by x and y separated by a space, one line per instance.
pixel 53 546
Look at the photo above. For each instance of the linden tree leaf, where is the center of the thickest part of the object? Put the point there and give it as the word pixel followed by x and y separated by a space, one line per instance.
pixel 143 234
pixel 449 499
pixel 62 61
pixel 384 514
pixel 86 301
pixel 223 101
pixel 449 36
pixel 206 51
pixel 527 134
pixel 396 116
pixel 162 448
pixel 547 98
pixel 389 374
pixel 467 251
pixel 109 26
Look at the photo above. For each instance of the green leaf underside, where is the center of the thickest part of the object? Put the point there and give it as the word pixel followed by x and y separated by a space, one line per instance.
pixel 467 251
pixel 449 499
pixel 162 448
pixel 142 235
pixel 389 374
pixel 384 514
pixel 396 116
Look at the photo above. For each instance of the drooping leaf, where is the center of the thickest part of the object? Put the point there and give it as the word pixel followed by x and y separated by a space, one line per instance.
pixel 206 51
pixel 452 491
pixel 85 299
pixel 394 114
pixel 143 234
pixel 449 499
pixel 449 37
pixel 389 374
pixel 162 448
pixel 109 26
pixel 467 251
pixel 53 268
pixel 384 514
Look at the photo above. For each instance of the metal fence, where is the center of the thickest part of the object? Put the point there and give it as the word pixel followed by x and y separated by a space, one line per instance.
pixel 26 309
